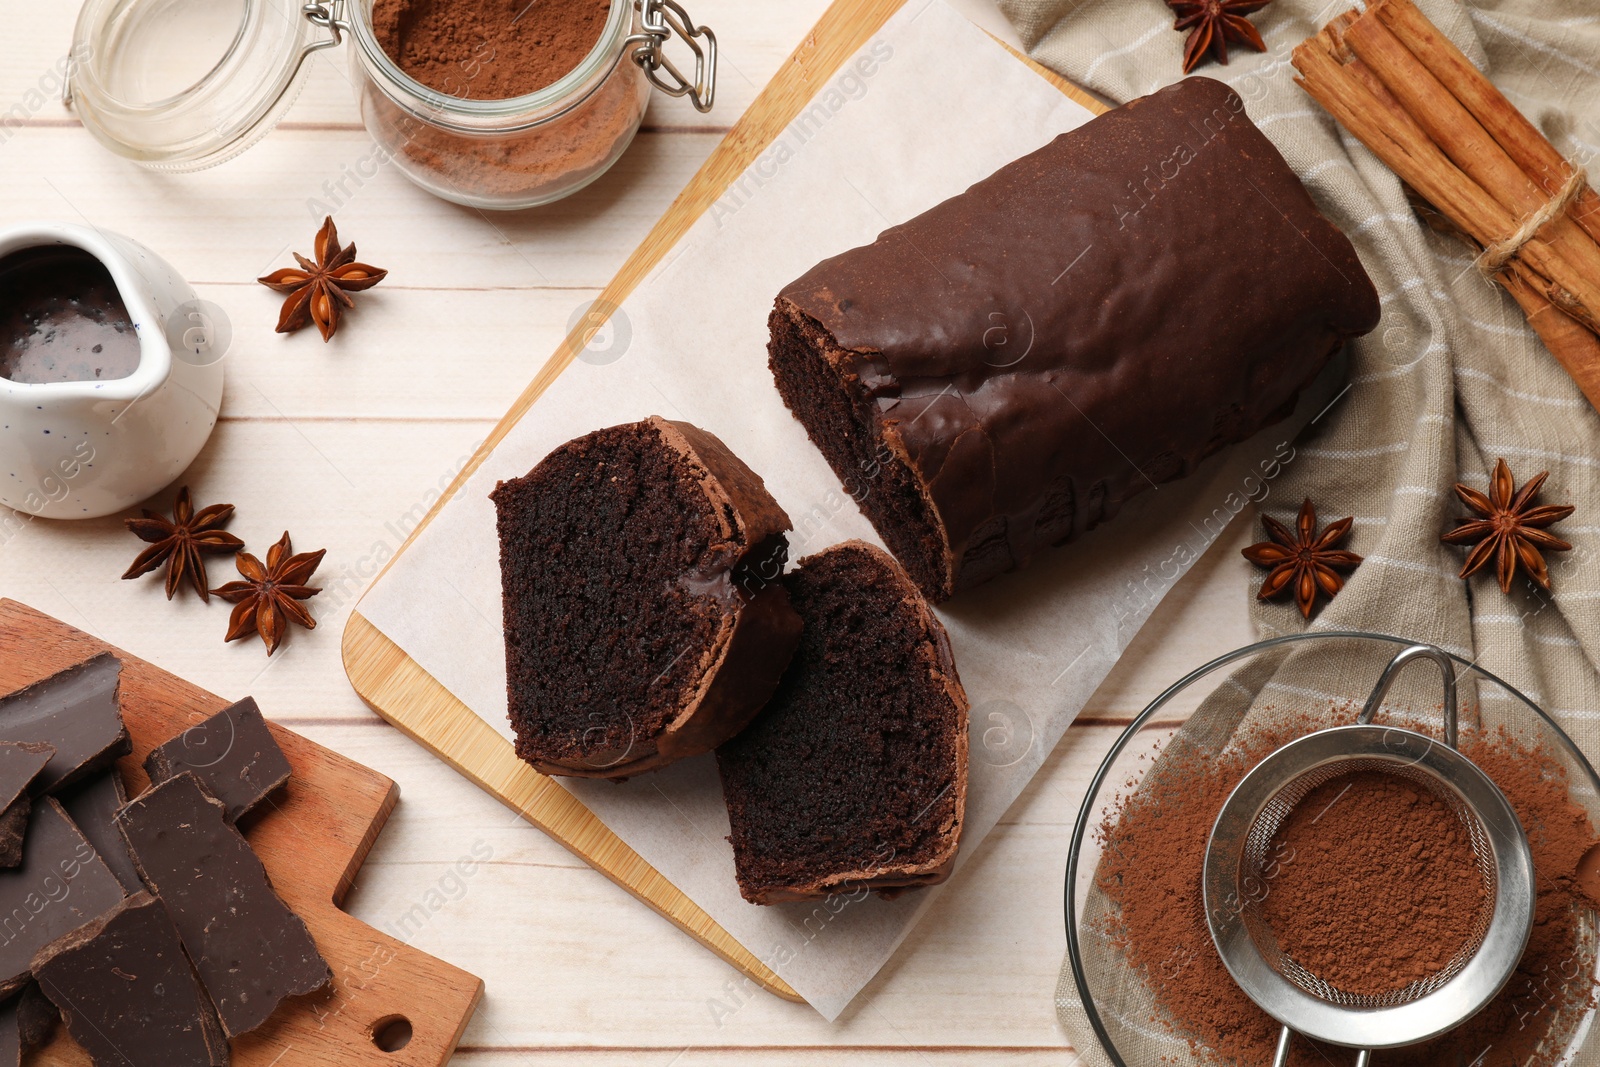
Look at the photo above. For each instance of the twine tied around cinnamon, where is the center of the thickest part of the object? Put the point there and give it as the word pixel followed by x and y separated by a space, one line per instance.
pixel 1494 258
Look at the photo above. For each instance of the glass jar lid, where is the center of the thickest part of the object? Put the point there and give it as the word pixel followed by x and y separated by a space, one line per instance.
pixel 187 84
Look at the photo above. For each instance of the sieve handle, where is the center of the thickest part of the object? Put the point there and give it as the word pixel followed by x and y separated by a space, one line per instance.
pixel 1447 669
pixel 1280 1056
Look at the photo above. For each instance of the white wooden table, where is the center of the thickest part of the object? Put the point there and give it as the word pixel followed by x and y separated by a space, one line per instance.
pixel 346 445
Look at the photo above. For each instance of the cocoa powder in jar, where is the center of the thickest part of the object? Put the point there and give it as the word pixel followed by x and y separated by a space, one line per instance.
pixel 567 151
pixel 488 49
pixel 501 50
pixel 1153 853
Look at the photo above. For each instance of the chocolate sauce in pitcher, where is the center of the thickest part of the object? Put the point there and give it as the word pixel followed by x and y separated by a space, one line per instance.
pixel 62 319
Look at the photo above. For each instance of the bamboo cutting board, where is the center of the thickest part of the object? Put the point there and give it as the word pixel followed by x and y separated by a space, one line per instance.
pixel 313 840
pixel 406 695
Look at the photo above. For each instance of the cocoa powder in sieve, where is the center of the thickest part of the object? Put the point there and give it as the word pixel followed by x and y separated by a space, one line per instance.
pixel 488 49
pixel 1376 885
pixel 1153 850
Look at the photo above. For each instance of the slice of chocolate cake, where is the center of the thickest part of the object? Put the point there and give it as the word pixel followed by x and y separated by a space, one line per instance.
pixel 643 619
pixel 855 774
pixel 1002 372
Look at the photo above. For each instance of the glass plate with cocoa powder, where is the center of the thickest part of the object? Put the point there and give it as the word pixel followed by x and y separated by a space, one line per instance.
pixel 1143 980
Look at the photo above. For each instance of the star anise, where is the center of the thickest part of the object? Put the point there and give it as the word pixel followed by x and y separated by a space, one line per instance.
pixel 1212 24
pixel 317 291
pixel 1301 559
pixel 267 600
pixel 1510 530
pixel 178 542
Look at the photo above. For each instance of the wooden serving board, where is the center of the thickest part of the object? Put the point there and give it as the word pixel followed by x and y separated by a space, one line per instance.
pixel 313 839
pixel 413 700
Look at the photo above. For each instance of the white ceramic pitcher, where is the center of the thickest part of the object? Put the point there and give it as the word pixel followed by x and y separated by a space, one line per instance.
pixel 82 449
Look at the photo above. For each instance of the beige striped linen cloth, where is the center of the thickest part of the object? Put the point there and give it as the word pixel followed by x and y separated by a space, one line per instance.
pixel 1451 380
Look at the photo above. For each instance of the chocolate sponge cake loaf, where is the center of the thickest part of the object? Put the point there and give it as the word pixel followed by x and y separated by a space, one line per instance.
pixel 855 775
pixel 644 621
pixel 1002 372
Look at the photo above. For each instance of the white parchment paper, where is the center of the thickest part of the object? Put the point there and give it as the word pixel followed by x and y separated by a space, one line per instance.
pixel 929 106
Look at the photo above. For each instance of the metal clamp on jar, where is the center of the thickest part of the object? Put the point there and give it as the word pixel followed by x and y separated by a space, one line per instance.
pixel 187 85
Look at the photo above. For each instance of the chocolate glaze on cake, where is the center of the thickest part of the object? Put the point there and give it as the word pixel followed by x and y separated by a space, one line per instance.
pixel 854 776
pixel 1006 369
pixel 644 621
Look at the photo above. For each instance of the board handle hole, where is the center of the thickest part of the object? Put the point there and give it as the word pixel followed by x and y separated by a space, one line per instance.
pixel 391 1033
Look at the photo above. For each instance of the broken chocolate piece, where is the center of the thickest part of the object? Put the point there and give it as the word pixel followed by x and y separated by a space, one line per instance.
pixel 232 753
pixel 10 1036
pixel 250 949
pixel 36 1018
pixel 93 806
pixel 61 884
pixel 77 711
pixel 25 1023
pixel 20 764
pixel 13 829
pixel 128 994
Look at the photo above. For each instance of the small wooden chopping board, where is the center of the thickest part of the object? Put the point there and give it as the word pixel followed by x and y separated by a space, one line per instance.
pixel 402 692
pixel 313 839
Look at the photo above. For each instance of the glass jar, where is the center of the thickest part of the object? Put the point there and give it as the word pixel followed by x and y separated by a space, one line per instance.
pixel 504 153
pixel 181 85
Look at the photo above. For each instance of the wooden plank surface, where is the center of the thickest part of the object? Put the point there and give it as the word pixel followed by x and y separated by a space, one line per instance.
pixel 312 837
pixel 406 695
pixel 347 445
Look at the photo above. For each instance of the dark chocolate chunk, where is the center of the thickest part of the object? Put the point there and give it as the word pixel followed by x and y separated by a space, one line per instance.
pixel 77 711
pixel 93 806
pixel 129 994
pixel 250 949
pixel 1004 371
pixel 36 1017
pixel 24 1026
pixel 20 764
pixel 10 1036
pixel 232 753
pixel 13 830
pixel 61 884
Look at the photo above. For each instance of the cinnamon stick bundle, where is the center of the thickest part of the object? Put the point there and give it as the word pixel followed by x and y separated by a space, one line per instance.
pixel 1392 79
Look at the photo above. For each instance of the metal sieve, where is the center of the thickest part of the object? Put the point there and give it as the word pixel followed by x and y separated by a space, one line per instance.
pixel 1238 872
